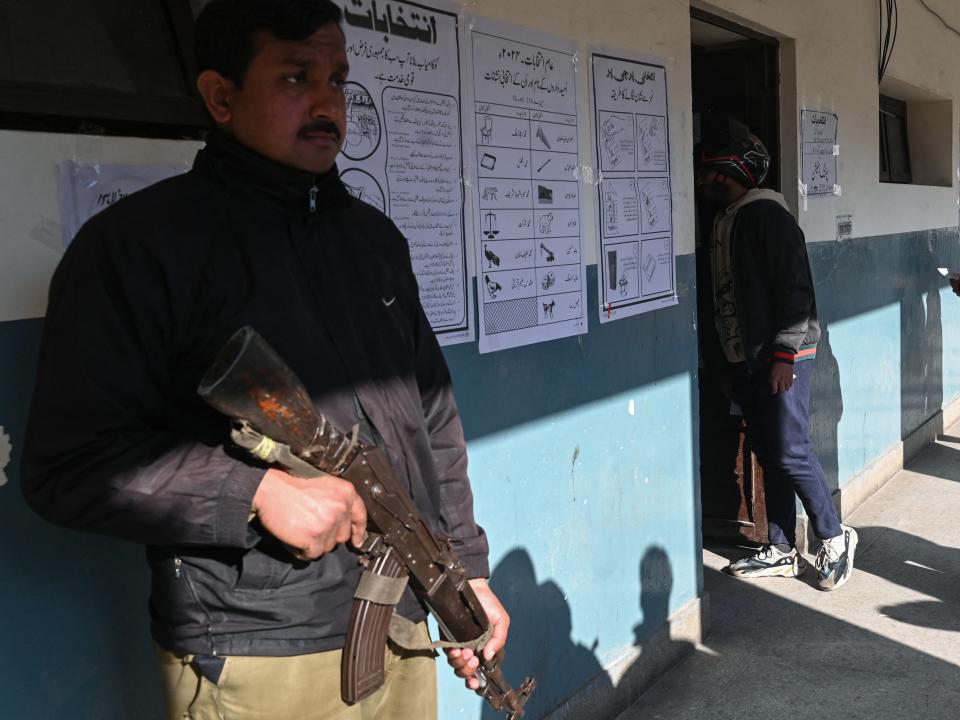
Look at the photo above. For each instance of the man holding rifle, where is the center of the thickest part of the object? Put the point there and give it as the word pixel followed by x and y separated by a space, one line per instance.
pixel 252 573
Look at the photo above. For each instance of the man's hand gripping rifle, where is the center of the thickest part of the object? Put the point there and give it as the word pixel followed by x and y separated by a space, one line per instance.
pixel 276 421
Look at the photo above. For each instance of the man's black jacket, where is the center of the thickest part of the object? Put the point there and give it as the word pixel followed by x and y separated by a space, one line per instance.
pixel 776 305
pixel 119 442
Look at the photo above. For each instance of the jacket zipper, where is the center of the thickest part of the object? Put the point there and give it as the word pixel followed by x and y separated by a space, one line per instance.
pixel 313 198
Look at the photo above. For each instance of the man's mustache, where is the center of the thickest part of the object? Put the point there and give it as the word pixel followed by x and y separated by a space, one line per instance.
pixel 325 126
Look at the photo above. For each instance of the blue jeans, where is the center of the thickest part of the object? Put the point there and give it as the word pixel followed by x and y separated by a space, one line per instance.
pixel 779 429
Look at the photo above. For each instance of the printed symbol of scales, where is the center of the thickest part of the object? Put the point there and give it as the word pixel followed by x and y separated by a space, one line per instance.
pixel 490 228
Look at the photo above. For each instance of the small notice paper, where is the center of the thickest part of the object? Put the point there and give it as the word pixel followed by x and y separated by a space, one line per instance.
pixel 88 188
pixel 818 138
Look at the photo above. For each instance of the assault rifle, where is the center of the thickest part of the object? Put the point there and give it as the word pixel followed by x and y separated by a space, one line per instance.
pixel 276 420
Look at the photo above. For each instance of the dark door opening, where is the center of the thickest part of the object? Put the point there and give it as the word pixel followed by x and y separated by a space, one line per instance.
pixel 735 70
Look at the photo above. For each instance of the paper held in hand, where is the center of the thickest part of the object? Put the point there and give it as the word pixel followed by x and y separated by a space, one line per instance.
pixel 949 273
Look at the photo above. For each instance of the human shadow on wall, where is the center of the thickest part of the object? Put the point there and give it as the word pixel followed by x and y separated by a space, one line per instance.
pixel 589 692
pixel 921 336
pixel 658 652
pixel 540 644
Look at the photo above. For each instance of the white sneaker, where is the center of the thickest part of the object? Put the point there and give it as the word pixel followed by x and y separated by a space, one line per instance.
pixel 768 561
pixel 835 559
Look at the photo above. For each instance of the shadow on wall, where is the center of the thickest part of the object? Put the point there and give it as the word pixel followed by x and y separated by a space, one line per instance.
pixel 658 652
pixel 853 279
pixel 86 597
pixel 541 645
pixel 501 390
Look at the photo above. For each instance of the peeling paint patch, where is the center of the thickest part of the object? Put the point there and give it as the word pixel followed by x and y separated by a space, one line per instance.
pixel 5 449
pixel 632 408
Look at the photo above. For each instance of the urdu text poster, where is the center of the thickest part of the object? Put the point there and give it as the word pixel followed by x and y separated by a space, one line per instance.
pixel 636 269
pixel 818 136
pixel 402 152
pixel 531 277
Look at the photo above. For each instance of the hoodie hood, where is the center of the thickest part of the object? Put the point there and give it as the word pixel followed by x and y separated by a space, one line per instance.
pixel 756 194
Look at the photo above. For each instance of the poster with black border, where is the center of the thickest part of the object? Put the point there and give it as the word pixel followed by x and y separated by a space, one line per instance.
pixel 403 152
pixel 524 155
pixel 633 217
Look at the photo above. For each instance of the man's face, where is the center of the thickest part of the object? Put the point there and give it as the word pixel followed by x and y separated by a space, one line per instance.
pixel 712 187
pixel 291 107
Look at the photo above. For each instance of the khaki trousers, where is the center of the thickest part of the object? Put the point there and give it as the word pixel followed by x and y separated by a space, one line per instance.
pixel 301 687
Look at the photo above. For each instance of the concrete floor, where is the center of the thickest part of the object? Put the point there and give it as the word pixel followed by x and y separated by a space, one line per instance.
pixel 886 645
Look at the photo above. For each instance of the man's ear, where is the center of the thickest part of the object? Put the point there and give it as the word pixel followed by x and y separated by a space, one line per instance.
pixel 216 91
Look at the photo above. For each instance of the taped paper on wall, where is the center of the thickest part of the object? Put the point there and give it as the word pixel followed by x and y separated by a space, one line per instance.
pixel 88 188
pixel 531 271
pixel 818 135
pixel 634 203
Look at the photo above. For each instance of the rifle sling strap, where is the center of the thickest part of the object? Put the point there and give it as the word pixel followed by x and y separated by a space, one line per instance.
pixel 380 589
pixel 403 633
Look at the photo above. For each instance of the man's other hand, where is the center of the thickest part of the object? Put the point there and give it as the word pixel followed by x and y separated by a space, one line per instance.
pixel 465 662
pixel 310 516
pixel 955 284
pixel 781 377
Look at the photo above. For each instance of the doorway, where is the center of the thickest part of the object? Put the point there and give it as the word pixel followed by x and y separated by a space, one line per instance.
pixel 734 70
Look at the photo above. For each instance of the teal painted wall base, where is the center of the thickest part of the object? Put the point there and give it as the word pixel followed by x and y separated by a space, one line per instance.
pixel 583 455
pixel 882 366
pixel 583 458
pixel 74 606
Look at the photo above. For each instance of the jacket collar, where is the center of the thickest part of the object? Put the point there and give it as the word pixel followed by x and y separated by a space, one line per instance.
pixel 249 173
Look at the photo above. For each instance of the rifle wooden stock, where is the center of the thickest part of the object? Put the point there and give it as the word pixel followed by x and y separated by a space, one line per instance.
pixel 249 382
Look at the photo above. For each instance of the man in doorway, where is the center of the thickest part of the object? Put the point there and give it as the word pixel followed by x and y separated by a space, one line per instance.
pixel 261 232
pixel 765 315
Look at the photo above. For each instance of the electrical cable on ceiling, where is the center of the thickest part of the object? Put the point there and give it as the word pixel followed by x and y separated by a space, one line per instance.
pixel 939 17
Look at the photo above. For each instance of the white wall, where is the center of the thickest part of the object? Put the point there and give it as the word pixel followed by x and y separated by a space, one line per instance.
pixel 31 240
pixel 829 50
pixel 836 48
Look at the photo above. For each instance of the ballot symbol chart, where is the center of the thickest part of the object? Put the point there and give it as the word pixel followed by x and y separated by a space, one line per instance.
pixel 634 230
pixel 530 274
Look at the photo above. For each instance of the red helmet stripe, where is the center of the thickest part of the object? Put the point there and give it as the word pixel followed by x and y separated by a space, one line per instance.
pixel 736 161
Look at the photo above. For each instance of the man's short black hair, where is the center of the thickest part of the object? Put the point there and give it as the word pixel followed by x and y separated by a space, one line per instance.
pixel 225 30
